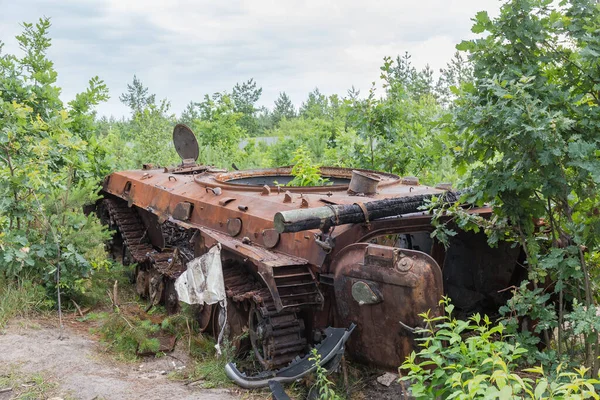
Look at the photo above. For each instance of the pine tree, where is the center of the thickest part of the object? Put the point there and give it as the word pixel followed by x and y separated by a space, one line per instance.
pixel 137 97
pixel 283 108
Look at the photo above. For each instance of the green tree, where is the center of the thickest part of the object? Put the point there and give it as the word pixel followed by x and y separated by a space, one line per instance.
pixel 244 97
pixel 413 82
pixel 136 97
pixel 526 135
pixel 316 106
pixel 398 131
pixel 218 130
pixel 117 139
pixel 146 138
pixel 264 119
pixel 326 112
pixel 458 71
pixel 284 108
pixel 190 113
pixel 48 170
pixel 313 135
pixel 152 136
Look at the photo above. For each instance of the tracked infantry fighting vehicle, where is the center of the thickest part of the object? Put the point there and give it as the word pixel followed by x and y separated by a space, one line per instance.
pixel 302 266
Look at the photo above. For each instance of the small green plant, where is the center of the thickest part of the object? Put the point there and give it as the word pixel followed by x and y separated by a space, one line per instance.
pixel 472 360
pixel 563 384
pixel 304 171
pixel 323 385
pixel 128 336
pixel 440 370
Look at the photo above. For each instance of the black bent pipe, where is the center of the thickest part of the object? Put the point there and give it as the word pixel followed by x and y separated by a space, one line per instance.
pixel 332 345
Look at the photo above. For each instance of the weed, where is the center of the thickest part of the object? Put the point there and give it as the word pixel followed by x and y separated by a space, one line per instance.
pixel 359 378
pixel 324 387
pixel 28 324
pixel 93 291
pixel 212 371
pixel 206 365
pixel 94 316
pixel 305 171
pixel 24 297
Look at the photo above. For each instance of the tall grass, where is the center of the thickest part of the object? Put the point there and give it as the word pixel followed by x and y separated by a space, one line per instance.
pixel 21 298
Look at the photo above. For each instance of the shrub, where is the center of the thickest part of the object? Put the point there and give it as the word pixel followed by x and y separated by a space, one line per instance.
pixel 471 359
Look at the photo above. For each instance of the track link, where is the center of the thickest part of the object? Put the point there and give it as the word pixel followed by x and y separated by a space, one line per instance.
pixel 131 228
pixel 277 337
pixel 156 270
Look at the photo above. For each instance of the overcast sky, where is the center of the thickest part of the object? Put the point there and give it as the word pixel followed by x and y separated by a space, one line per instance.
pixel 182 49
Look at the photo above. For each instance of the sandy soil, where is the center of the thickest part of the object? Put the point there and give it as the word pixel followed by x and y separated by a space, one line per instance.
pixel 82 371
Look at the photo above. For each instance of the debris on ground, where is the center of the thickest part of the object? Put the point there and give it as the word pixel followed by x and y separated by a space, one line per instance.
pixel 387 379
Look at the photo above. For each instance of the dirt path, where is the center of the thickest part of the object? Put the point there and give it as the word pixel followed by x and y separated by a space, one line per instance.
pixel 83 372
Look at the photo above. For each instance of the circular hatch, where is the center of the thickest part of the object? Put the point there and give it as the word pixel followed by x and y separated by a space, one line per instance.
pixel 185 142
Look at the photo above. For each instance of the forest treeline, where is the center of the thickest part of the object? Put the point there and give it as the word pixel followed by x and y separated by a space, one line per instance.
pixel 397 130
pixel 514 117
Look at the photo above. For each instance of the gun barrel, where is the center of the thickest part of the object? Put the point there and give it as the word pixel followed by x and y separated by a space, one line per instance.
pixel 334 215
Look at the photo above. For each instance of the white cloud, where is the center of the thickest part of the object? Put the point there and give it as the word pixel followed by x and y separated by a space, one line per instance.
pixel 183 49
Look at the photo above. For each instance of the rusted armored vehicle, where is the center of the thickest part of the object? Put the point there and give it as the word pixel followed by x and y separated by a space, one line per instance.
pixel 349 265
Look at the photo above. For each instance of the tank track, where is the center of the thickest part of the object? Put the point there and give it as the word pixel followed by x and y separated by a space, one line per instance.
pixel 156 270
pixel 277 337
pixel 131 229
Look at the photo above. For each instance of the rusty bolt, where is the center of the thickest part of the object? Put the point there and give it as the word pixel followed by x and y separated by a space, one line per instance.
pixel 404 264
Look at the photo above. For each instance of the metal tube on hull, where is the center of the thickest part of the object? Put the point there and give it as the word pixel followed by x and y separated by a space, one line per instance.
pixel 334 215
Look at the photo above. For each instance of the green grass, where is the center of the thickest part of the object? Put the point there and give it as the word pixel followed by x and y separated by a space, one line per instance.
pixel 94 316
pixel 26 386
pixel 212 371
pixel 25 298
pixel 205 366
pixel 126 335
pixel 21 298
pixel 125 332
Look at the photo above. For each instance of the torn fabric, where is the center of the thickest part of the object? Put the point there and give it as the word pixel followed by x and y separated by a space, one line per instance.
pixel 202 282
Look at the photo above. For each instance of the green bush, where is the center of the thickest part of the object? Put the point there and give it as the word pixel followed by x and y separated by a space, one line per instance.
pixel 472 360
